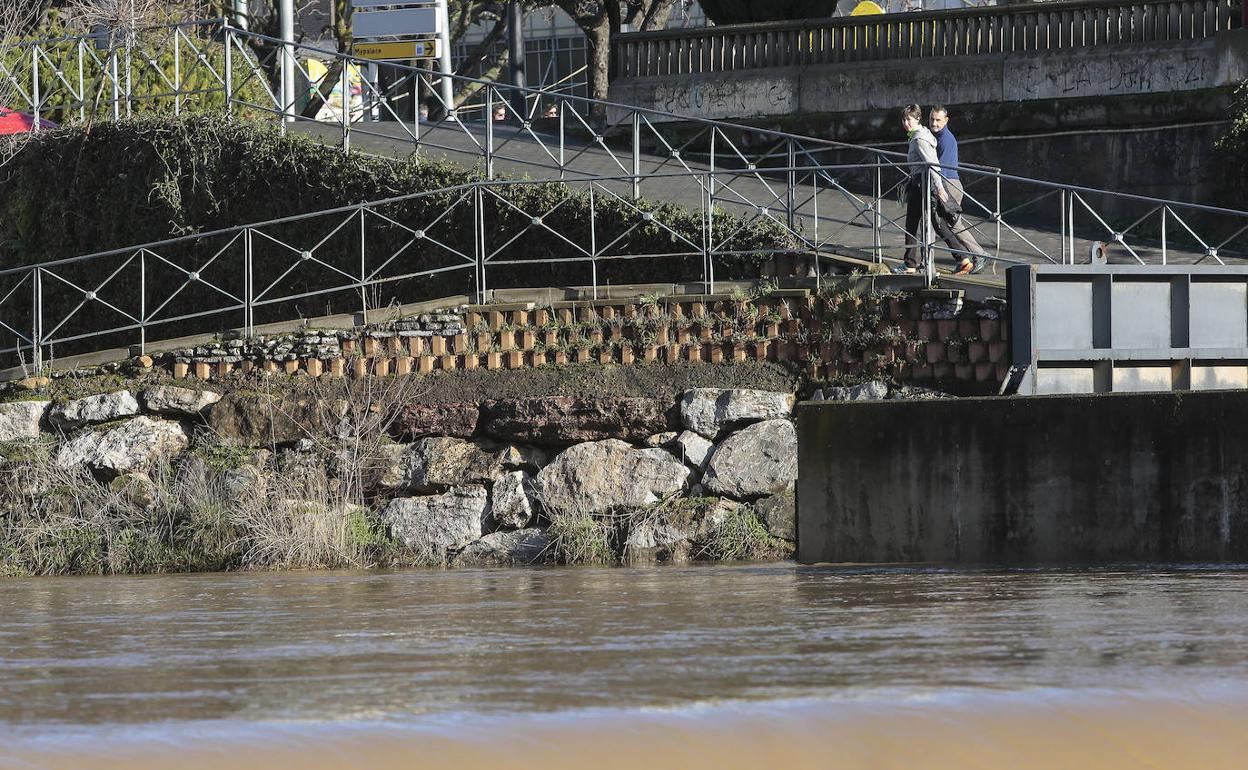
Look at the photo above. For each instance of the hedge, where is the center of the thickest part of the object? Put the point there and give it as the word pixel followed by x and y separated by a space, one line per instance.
pixel 76 191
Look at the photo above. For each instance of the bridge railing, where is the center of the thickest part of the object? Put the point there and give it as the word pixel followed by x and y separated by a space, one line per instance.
pixel 1048 26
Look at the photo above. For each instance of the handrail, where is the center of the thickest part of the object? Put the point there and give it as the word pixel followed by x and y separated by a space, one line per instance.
pixel 923 34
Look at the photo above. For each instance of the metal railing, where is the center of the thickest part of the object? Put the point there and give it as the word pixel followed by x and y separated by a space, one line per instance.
pixel 825 197
pixel 486 234
pixel 1045 26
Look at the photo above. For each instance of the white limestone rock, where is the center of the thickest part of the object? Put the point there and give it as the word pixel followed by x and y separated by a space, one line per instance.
pixel 712 411
pixel 182 402
pixel 132 446
pixel 433 525
pixel 755 461
pixel 19 420
pixel 694 450
pixel 505 549
pixel 102 407
pixel 601 477
pixel 510 503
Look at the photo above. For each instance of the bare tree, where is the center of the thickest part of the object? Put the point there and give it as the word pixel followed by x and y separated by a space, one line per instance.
pixel 117 21
pixel 601 19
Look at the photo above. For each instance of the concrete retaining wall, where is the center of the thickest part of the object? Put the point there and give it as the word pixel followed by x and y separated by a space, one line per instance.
pixel 1048 479
pixel 1143 68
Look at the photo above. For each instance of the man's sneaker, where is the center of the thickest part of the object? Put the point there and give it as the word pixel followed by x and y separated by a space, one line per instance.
pixel 903 270
pixel 979 264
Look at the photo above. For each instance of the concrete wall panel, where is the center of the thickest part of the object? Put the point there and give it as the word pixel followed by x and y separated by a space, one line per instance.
pixel 1046 479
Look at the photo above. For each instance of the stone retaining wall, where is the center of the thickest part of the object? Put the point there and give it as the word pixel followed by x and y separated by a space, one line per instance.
pixel 834 336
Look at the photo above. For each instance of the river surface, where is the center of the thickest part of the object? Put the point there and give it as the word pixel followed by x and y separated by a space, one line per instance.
pixel 718 667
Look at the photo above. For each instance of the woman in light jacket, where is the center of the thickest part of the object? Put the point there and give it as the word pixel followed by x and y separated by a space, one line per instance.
pixel 921 156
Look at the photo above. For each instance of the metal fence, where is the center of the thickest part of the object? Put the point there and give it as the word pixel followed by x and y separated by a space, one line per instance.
pixel 967 32
pixel 825 197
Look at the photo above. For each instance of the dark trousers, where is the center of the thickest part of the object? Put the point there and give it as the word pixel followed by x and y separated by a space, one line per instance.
pixel 914 214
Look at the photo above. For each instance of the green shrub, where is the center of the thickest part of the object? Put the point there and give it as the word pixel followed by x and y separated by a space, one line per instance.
pixel 74 192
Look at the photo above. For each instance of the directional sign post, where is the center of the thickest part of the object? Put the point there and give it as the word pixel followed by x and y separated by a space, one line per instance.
pixel 389 29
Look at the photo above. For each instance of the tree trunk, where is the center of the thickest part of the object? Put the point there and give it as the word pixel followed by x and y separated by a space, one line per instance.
pixel 599 61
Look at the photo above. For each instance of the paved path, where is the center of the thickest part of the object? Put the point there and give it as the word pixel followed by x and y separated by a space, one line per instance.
pixel 839 216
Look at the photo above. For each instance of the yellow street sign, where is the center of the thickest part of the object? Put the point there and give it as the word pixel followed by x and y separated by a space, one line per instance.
pixel 400 50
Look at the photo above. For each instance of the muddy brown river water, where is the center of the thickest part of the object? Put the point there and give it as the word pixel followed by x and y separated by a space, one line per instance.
pixel 724 666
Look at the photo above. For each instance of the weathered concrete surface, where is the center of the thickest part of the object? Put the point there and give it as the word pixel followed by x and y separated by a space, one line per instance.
pixel 1155 67
pixel 1046 479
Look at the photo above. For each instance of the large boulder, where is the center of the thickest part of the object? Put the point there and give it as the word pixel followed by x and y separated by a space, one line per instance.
pixel 677 533
pixel 606 476
pixel 132 446
pixel 19 420
pixel 419 420
pixel 102 407
pixel 779 514
pixel 437 463
pixel 505 549
pixel 564 420
pixel 182 402
pixel 433 525
pixel 259 419
pixel 649 542
pixel 758 460
pixel 712 411
pixel 510 504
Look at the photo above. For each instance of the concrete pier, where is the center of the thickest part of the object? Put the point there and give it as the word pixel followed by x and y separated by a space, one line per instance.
pixel 1046 479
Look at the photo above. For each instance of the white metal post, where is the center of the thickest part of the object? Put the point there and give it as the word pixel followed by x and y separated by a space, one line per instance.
pixel 287 22
pixel 444 57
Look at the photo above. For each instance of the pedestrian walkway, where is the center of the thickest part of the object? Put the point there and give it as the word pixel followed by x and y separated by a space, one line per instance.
pixel 838 216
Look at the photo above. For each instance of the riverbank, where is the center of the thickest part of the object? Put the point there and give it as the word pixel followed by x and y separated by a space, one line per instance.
pixel 156 477
pixel 610 432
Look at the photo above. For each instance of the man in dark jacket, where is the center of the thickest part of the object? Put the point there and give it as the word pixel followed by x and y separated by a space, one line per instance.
pixel 947 155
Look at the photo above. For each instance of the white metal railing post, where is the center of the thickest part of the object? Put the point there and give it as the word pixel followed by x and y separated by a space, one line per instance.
pixel 177 71
pixel 927 236
pixel 996 214
pixel 363 271
pixel 35 98
pixel 82 87
pixel 36 319
pixel 636 154
pixel 708 236
pixel 129 77
pixel 489 133
pixel 228 37
pixel 480 227
pixel 1164 211
pixel 345 89
pixel 1061 203
pixel 142 302
pixel 562 134
pixel 1070 225
pixel 877 242
pixel 593 241
pixel 249 310
pixel 790 199
pixel 478 265
pixel 814 186
pixel 112 65
pixel 814 197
